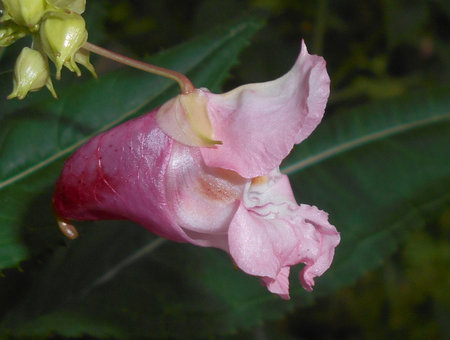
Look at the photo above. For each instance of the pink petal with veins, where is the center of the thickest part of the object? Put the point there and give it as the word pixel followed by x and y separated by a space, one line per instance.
pixel 258 124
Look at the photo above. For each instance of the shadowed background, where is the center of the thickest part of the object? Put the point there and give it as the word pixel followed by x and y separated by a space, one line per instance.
pixel 375 51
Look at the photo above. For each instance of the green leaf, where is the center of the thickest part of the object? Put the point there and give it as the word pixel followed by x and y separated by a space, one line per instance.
pixel 379 170
pixel 37 134
pixel 160 289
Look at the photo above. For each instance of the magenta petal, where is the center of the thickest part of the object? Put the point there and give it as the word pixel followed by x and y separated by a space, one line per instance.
pixel 122 174
pixel 258 124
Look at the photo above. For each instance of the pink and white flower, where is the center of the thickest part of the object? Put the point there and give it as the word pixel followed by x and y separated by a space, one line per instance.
pixel 204 169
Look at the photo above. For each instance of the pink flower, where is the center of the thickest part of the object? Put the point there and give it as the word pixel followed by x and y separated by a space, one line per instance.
pixel 167 171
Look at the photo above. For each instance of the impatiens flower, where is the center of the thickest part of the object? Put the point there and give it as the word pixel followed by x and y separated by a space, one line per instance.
pixel 204 169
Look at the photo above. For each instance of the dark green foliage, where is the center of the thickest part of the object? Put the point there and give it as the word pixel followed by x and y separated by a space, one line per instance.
pixel 381 170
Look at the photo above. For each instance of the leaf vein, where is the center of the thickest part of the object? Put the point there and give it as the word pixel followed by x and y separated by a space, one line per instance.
pixel 369 138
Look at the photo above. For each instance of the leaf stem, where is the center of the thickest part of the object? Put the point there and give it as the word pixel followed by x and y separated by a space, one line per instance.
pixel 183 81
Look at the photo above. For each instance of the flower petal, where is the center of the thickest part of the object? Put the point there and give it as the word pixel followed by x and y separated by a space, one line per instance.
pixel 250 242
pixel 122 174
pixel 258 124
pixel 318 251
pixel 279 285
pixel 202 199
pixel 267 236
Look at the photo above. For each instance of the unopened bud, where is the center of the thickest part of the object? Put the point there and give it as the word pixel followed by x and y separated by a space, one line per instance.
pixel 24 12
pixel 10 32
pixel 77 6
pixel 62 35
pixel 31 73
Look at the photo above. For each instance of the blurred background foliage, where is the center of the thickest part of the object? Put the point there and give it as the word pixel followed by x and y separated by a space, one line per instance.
pixel 374 50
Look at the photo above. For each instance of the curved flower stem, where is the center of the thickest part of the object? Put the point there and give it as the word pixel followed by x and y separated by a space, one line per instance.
pixel 185 84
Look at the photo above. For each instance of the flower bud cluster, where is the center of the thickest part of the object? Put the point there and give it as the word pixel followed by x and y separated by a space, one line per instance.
pixel 58 31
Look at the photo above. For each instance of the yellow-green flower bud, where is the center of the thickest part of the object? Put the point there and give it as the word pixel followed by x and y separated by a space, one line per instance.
pixel 24 12
pixel 62 35
pixel 31 73
pixel 77 6
pixel 10 32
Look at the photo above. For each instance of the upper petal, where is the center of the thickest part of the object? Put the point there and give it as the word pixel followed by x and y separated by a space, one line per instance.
pixel 258 124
